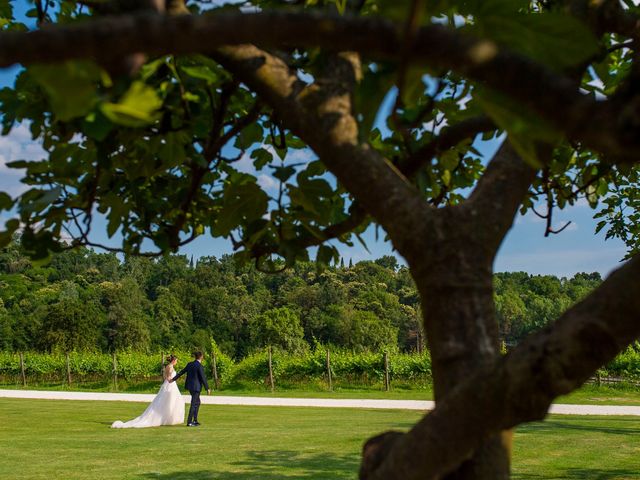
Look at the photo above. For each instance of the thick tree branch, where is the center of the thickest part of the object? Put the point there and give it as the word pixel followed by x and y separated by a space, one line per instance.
pixel 520 386
pixel 321 115
pixel 500 191
pixel 602 126
pixel 605 16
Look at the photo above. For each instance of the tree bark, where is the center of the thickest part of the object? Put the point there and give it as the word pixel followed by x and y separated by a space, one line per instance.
pixel 518 388
pixel 456 292
pixel 459 318
pixel 600 125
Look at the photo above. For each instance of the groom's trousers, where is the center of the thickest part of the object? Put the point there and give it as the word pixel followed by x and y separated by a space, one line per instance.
pixel 195 406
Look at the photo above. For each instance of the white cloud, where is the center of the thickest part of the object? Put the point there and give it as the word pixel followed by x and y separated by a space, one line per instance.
pixel 301 156
pixel 18 145
pixel 436 125
pixel 245 164
pixel 267 182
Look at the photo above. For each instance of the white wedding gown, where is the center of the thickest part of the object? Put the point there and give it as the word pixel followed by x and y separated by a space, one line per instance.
pixel 167 408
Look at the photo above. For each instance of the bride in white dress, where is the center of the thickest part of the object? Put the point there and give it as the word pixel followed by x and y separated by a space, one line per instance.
pixel 167 408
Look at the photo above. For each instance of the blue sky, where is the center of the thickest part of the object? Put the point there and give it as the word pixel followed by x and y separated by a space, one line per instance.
pixel 525 248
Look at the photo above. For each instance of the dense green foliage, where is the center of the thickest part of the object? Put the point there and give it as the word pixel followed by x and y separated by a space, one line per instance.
pixel 88 301
pixel 526 303
pixel 157 152
pixel 348 367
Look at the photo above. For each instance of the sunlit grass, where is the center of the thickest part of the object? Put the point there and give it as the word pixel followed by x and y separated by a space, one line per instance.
pixel 46 439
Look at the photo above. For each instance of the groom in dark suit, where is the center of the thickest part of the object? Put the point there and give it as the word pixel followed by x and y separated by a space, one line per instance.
pixel 196 379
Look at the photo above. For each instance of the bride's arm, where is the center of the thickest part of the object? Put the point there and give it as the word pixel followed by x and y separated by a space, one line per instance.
pixel 178 375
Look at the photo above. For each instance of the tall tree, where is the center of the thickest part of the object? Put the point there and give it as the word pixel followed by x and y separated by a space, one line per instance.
pixel 163 154
pixel 279 327
pixel 127 321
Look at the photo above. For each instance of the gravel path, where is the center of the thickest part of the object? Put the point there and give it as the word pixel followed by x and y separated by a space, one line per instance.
pixel 564 409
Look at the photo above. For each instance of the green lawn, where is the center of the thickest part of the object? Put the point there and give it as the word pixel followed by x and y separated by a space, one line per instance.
pixel 45 439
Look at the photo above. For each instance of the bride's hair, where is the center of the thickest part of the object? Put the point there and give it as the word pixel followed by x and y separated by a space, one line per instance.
pixel 170 359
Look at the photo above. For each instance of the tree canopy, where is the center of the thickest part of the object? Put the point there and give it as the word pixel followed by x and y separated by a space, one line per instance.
pixel 88 301
pixel 286 125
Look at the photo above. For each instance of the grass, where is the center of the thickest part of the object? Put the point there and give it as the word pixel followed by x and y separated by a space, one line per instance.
pixel 578 448
pixel 587 395
pixel 603 395
pixel 46 439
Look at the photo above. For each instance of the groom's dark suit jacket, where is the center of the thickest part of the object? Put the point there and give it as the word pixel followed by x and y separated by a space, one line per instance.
pixel 196 378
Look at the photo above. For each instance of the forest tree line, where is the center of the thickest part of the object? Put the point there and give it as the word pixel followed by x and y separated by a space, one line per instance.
pixel 88 301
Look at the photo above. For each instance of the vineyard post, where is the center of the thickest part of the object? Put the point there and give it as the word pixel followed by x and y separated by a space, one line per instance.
pixel 329 369
pixel 214 368
pixel 162 364
pixel 387 385
pixel 271 371
pixel 24 377
pixel 66 358
pixel 115 372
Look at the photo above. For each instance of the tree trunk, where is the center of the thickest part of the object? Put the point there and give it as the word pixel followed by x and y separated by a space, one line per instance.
pixel 462 333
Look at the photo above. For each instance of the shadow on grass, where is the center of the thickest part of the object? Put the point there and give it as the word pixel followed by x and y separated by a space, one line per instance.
pixel 584 474
pixel 590 425
pixel 272 465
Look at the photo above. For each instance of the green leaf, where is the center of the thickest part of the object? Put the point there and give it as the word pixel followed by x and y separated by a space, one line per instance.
pixel 201 72
pixel 150 68
pixel 191 97
pixel 241 204
pixel 341 5
pixel 117 212
pixel 137 108
pixel 283 173
pixel 261 158
pixel 554 38
pixel 6 9
pixel 11 227
pixel 71 87
pixel 373 87
pixel 446 177
pixel 449 159
pixel 325 254
pixel 12 224
pixel 18 164
pixel 309 194
pixel 113 225
pixel 414 85
pixel 603 187
pixel 172 150
pixel 5 201
pixel 524 127
pixel 250 135
pixel 97 126
pixel 362 242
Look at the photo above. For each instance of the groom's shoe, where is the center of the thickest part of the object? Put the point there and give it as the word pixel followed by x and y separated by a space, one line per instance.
pixel 191 424
pixel 196 423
